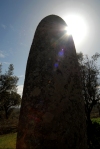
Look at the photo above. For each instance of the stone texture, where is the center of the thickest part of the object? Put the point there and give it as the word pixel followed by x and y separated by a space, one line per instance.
pixel 52 111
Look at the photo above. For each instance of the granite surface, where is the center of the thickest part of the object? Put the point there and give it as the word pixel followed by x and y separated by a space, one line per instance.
pixel 52 112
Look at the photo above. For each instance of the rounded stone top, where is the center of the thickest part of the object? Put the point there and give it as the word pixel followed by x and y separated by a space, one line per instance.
pixel 54 19
pixel 52 22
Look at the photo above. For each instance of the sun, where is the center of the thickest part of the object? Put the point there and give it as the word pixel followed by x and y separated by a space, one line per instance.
pixel 77 27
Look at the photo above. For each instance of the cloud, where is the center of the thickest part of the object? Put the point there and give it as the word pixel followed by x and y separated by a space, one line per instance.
pixel 21 76
pixel 3 26
pixel 2 55
pixel 7 63
pixel 20 89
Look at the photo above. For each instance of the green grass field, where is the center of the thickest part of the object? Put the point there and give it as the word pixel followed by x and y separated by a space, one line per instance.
pixel 8 141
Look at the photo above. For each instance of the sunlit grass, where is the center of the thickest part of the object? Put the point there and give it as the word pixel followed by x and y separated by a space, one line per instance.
pixel 8 141
pixel 96 120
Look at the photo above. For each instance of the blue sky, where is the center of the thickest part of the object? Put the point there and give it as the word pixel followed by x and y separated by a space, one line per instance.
pixel 19 19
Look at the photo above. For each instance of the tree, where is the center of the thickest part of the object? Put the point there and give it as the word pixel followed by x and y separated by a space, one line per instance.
pixel 8 90
pixel 8 81
pixel 9 99
pixel 89 78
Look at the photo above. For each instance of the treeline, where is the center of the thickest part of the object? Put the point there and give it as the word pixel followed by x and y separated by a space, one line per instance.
pixel 8 91
pixel 90 74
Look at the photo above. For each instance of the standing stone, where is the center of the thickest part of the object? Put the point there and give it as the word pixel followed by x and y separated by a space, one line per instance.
pixel 52 111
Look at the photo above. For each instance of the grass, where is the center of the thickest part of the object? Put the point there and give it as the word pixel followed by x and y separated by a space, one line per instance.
pixel 97 120
pixel 8 141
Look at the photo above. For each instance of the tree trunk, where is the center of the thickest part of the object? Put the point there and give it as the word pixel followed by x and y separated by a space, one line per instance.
pixel 6 112
pixel 89 128
pixel 88 118
pixel 99 112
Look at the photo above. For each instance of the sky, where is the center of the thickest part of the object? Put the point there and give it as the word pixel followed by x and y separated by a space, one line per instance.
pixel 18 22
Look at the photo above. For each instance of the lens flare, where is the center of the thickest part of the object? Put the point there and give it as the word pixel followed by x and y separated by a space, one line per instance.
pixel 61 53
